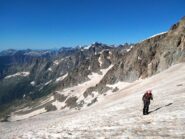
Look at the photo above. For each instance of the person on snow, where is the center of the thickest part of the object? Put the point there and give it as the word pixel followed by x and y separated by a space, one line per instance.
pixel 146 101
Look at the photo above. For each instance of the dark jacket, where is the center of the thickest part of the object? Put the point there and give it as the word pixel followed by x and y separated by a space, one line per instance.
pixel 147 97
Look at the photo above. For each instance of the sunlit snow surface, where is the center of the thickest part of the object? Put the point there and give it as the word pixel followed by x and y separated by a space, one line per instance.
pixel 119 115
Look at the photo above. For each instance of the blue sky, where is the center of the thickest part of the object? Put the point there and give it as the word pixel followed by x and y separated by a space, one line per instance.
pixel 46 24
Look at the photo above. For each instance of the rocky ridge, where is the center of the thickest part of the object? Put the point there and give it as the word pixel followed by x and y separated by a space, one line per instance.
pixel 76 78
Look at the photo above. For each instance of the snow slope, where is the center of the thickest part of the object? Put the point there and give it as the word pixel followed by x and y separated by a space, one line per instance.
pixel 78 90
pixel 118 116
pixel 75 91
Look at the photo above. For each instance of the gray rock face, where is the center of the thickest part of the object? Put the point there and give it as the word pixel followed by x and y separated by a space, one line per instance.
pixel 45 70
pixel 53 70
pixel 146 58
pixel 151 56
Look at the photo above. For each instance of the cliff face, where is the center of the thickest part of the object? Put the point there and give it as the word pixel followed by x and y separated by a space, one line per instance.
pixel 146 58
pixel 150 56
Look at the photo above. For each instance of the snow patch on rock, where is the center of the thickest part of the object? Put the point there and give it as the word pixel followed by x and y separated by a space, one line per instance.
pixel 100 61
pixel 87 47
pixel 154 36
pixel 58 104
pixel 32 83
pixel 23 74
pixel 56 62
pixel 62 77
pixel 128 50
pixel 139 58
pixel 48 82
pixel 50 69
pixel 78 90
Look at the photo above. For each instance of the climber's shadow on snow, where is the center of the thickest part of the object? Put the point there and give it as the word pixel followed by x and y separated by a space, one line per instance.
pixel 160 107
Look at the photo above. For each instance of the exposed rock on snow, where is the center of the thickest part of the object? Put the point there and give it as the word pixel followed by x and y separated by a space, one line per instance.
pixel 118 116
pixel 78 90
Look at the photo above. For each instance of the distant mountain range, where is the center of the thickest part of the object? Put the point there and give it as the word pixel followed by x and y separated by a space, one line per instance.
pixel 73 78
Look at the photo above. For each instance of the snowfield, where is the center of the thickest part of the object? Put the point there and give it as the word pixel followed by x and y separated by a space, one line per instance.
pixel 119 115
pixel 78 90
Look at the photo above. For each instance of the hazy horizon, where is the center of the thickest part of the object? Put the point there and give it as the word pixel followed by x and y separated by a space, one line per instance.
pixel 52 24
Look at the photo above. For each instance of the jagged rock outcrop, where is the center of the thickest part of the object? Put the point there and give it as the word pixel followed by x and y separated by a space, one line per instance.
pixel 147 58
pixel 150 56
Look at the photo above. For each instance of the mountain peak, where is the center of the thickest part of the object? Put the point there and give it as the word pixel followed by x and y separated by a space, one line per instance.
pixel 179 25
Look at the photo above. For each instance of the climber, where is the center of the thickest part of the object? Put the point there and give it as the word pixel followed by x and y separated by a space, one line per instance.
pixel 146 101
